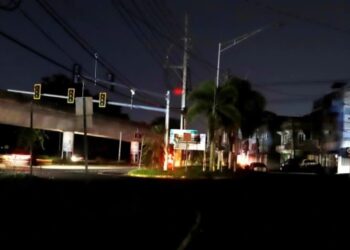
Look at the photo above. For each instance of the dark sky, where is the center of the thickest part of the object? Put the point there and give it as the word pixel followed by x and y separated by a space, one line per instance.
pixel 291 65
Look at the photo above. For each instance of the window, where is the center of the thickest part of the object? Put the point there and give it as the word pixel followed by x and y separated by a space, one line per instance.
pixel 301 137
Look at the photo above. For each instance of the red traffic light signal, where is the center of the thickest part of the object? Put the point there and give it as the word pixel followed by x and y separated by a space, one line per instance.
pixel 178 91
pixel 37 91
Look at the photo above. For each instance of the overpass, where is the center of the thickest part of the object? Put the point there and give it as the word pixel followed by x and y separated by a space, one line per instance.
pixel 15 110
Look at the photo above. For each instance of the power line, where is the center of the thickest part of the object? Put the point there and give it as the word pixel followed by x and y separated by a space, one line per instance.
pixel 163 18
pixel 82 42
pixel 296 16
pixel 304 82
pixel 11 6
pixel 34 51
pixel 138 32
pixel 52 61
pixel 169 39
pixel 168 14
pixel 141 35
pixel 53 41
pixel 143 15
pixel 269 89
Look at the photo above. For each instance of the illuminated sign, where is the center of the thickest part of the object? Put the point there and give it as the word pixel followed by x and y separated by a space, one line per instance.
pixel 134 147
pixel 183 135
pixel 187 139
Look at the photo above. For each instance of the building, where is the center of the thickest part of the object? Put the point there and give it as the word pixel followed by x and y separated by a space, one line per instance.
pixel 331 119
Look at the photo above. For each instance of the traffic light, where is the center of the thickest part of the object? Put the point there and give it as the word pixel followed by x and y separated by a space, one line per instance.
pixel 76 73
pixel 110 78
pixel 71 95
pixel 37 91
pixel 102 101
pixel 178 91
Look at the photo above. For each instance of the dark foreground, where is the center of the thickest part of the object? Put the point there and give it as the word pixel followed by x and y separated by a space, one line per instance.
pixel 248 212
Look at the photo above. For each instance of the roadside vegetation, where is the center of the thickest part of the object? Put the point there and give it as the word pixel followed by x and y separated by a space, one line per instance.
pixel 192 172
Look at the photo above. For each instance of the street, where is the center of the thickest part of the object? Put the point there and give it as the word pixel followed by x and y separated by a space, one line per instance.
pixel 72 171
pixel 128 213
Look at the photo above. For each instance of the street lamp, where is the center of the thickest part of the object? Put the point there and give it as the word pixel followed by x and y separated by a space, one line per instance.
pixel 227 45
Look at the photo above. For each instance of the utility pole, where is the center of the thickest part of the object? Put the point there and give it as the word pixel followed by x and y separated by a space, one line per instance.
pixel 184 76
pixel 31 139
pixel 85 128
pixel 166 136
pixel 293 138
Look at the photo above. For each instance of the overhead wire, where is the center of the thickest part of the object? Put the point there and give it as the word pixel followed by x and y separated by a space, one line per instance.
pixel 48 37
pixel 11 6
pixel 169 39
pixel 141 34
pixel 164 19
pixel 138 32
pixel 169 15
pixel 83 43
pixel 34 51
pixel 39 54
pixel 303 82
pixel 296 16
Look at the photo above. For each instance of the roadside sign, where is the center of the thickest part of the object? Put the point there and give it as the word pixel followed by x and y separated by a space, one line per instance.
pixel 183 135
pixel 134 147
pixel 192 146
pixel 138 135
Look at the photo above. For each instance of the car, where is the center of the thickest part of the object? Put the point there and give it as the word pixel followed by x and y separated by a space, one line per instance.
pixel 313 166
pixel 290 165
pixel 306 163
pixel 257 167
pixel 15 157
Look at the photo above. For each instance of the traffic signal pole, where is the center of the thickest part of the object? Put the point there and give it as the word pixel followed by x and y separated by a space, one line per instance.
pixel 85 129
pixel 31 139
pixel 184 77
pixel 166 136
pixel 166 111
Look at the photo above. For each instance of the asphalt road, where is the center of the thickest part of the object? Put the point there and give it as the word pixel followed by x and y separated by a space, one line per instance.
pixel 73 171
pixel 247 212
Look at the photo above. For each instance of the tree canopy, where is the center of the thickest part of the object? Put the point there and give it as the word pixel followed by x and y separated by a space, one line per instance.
pixel 250 104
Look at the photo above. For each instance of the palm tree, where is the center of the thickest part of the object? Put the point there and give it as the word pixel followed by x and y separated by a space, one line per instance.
pixel 219 116
pixel 250 103
pixel 153 151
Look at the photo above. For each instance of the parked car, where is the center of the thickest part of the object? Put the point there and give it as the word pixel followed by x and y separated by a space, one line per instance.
pixel 290 165
pixel 257 167
pixel 307 165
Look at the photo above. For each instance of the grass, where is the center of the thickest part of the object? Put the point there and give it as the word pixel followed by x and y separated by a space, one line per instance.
pixel 12 175
pixel 193 172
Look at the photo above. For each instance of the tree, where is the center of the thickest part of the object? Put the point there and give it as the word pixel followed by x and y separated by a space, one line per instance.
pixel 219 116
pixel 153 152
pixel 250 103
pixel 28 137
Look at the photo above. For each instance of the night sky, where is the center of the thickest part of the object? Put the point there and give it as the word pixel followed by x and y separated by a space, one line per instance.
pixel 291 65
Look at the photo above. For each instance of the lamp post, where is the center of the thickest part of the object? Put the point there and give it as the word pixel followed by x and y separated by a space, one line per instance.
pixel 229 44
pixel 225 46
